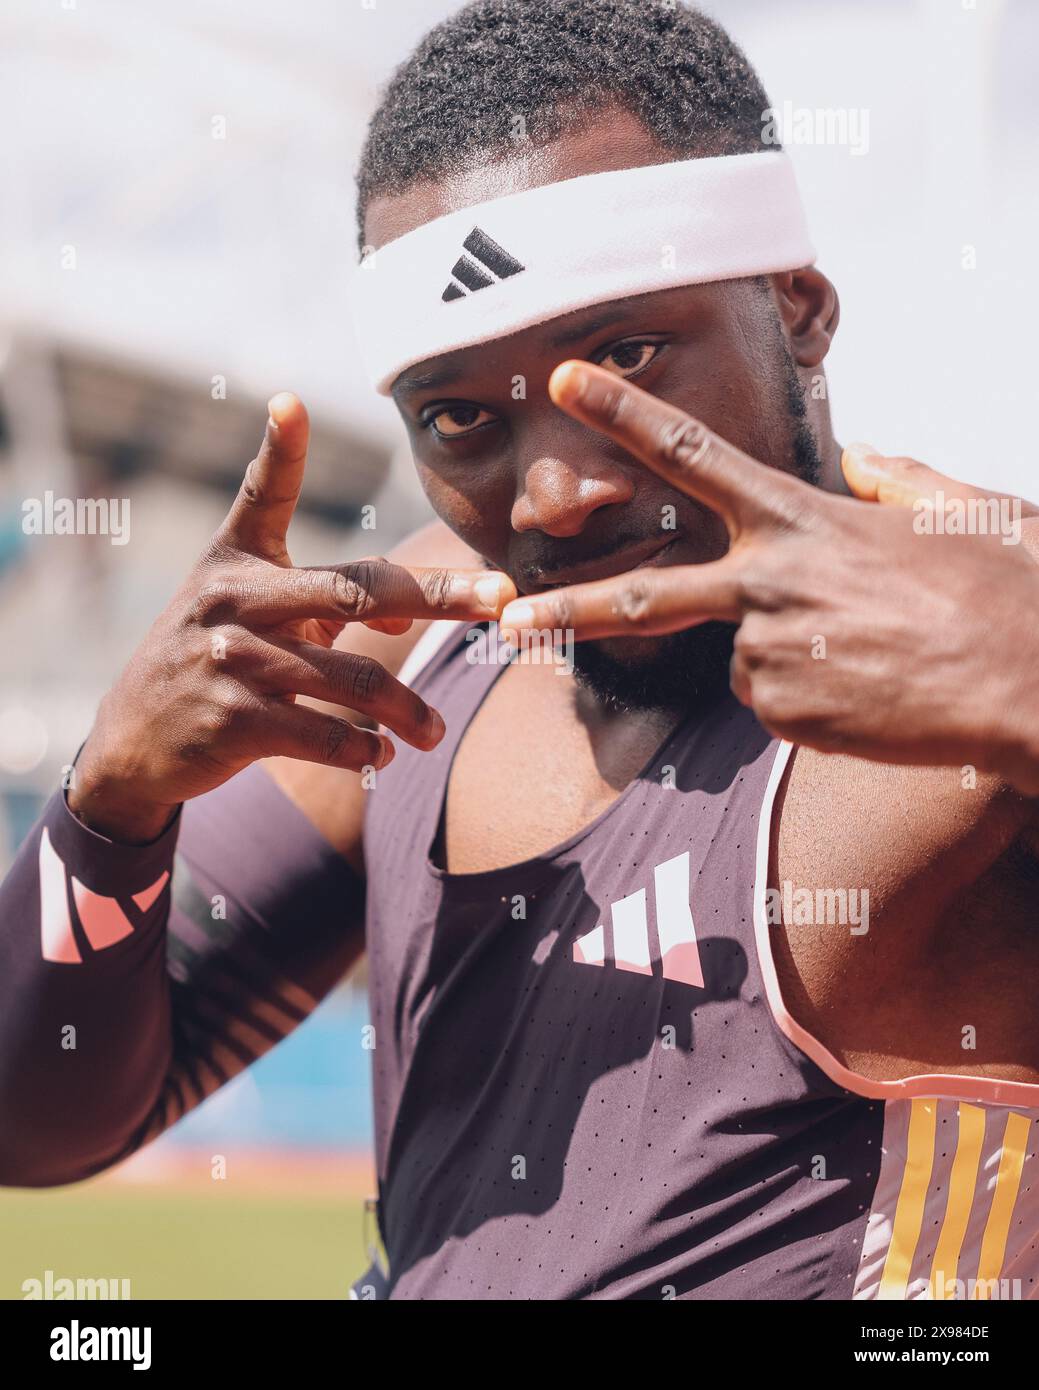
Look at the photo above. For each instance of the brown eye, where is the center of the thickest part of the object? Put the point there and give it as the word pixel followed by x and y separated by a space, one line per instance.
pixel 628 358
pixel 459 419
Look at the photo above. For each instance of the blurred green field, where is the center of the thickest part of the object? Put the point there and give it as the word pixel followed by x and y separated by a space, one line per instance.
pixel 207 1243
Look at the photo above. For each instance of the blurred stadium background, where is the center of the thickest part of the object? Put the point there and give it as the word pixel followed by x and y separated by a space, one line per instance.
pixel 176 229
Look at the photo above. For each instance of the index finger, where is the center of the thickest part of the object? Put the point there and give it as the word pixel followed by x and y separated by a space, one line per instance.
pixel 678 447
pixel 258 521
pixel 359 592
pixel 640 603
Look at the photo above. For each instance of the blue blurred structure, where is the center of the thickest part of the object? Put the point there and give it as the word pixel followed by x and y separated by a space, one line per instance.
pixel 313 1091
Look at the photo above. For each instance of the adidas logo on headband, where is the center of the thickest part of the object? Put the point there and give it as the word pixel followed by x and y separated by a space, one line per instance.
pixel 587 240
pixel 471 271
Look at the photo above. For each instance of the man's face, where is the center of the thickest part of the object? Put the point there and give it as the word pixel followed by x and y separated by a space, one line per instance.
pixel 551 502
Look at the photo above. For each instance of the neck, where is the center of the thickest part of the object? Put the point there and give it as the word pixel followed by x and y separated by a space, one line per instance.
pixel 833 476
pixel 602 718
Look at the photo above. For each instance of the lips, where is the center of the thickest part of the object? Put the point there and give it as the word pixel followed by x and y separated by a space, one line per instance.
pixel 621 562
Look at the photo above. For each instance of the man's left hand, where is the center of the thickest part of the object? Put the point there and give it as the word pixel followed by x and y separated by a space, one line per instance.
pixel 858 631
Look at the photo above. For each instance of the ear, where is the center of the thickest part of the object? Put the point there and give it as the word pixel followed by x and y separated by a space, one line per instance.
pixel 810 311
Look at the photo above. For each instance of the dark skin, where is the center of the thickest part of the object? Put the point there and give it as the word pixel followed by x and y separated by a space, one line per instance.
pixel 553 499
pixel 502 487
pixel 530 490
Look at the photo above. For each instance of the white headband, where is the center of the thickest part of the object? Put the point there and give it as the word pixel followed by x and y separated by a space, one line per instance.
pixel 486 271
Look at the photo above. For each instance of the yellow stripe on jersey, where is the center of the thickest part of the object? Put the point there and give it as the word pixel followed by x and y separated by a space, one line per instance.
pixel 909 1212
pixel 1008 1181
pixel 963 1181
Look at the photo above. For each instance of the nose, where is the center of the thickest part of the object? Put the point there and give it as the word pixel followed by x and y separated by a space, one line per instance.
pixel 571 474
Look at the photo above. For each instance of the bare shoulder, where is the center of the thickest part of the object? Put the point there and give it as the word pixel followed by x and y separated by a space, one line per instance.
pixel 841 820
pixel 942 925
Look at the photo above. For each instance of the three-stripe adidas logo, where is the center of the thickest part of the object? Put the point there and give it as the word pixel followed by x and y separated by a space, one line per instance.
pixel 676 934
pixel 486 264
pixel 103 921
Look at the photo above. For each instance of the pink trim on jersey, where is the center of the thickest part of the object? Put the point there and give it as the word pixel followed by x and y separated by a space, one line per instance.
pixel 955 1087
pixel 56 940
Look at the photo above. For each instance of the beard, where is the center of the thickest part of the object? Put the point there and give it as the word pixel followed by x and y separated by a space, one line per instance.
pixel 688 671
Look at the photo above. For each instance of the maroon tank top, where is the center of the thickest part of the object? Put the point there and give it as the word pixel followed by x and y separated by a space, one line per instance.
pixel 580 1089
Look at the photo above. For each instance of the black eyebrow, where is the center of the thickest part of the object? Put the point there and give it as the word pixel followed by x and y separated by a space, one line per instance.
pixel 585 328
pixel 410 382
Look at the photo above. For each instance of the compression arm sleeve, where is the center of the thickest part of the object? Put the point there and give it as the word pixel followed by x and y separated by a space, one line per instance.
pixel 137 980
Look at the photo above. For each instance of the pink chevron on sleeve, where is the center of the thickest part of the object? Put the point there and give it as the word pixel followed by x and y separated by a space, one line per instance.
pixel 147 896
pixel 103 920
pixel 56 940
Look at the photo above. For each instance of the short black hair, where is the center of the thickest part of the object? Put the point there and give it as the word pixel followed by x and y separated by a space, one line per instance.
pixel 455 101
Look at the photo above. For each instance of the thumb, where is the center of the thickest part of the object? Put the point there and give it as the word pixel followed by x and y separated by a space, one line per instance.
pixel 900 482
pixel 874 478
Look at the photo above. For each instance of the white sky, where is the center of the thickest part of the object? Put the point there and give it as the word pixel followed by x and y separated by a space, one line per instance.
pixel 230 257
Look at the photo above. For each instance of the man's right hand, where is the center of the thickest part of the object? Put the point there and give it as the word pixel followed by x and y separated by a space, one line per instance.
pixel 213 685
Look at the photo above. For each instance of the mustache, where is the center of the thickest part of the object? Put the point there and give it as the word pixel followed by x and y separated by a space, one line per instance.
pixel 552 558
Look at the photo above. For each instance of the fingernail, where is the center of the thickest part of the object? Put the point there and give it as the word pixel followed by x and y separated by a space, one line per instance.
pixel 386 754
pixel 861 453
pixel 567 381
pixel 517 615
pixel 278 405
pixel 437 727
pixel 488 592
